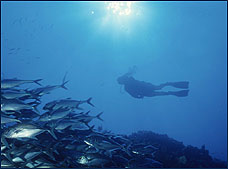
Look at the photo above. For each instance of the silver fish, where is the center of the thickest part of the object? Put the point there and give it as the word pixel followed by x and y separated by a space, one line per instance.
pixel 66 103
pixel 15 105
pixel 6 119
pixel 24 131
pixel 86 118
pixel 71 124
pixel 47 89
pixel 9 83
pixel 21 94
pixel 55 115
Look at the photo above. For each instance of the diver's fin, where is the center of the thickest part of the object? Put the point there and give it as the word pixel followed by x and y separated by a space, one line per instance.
pixel 181 93
pixel 181 85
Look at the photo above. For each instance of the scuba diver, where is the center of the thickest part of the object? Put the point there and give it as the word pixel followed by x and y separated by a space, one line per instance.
pixel 140 89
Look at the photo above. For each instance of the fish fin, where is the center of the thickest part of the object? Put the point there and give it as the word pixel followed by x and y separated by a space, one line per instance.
pixel 87 112
pixel 52 133
pixel 34 138
pixel 79 108
pixel 68 128
pixel 27 90
pixel 38 93
pixel 91 128
pixel 34 102
pixel 18 121
pixel 64 81
pixel 89 101
pixel 52 107
pixel 126 149
pixel 87 125
pixel 64 78
pixel 49 151
pixel 108 153
pixel 36 110
pixel 56 152
pixel 37 81
pixel 24 164
pixel 7 155
pixel 62 85
pixel 3 139
pixel 98 116
pixel 38 99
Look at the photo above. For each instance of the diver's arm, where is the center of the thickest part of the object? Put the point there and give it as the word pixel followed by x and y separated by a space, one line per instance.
pixel 140 96
pixel 133 93
pixel 136 96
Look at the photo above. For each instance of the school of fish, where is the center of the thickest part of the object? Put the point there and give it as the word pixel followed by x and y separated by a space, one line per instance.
pixel 61 135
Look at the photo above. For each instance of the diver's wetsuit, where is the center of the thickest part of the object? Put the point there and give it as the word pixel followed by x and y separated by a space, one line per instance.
pixel 140 89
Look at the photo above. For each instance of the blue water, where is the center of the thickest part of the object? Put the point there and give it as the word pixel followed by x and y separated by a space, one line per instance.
pixel 166 41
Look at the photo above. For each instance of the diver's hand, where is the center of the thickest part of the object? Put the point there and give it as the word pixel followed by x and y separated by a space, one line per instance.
pixel 135 95
pixel 140 96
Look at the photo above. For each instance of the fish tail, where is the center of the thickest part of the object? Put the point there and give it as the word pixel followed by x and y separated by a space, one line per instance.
pixel 35 108
pixel 9 157
pixel 91 128
pixel 89 101
pixel 3 139
pixel 64 78
pixel 64 81
pixel 35 95
pixel 79 108
pixel 38 99
pixel 52 133
pixel 87 112
pixel 98 116
pixel 126 149
pixel 63 85
pixel 87 125
pixel 37 81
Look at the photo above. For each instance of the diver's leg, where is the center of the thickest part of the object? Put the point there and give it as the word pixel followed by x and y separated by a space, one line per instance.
pixel 155 93
pixel 181 93
pixel 181 85
pixel 159 87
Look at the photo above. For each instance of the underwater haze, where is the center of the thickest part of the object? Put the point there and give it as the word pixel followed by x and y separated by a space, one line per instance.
pixel 163 41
